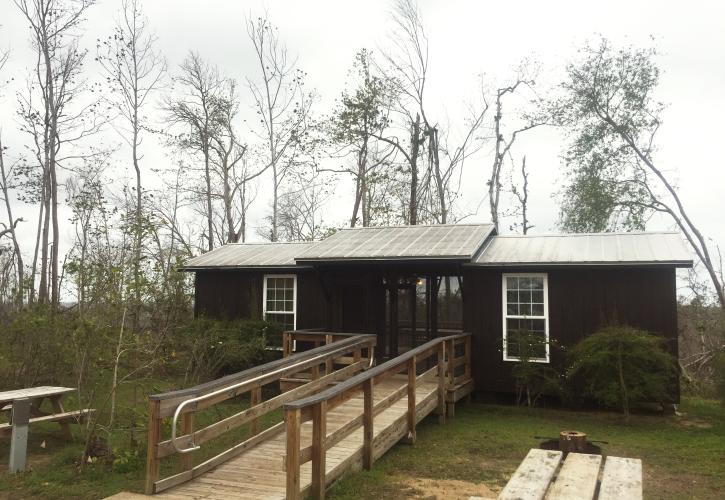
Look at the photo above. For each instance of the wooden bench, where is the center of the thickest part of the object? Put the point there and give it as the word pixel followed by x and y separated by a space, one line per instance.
pixel 544 474
pixel 68 416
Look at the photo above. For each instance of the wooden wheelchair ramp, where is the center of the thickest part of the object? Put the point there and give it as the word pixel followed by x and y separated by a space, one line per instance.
pixel 340 414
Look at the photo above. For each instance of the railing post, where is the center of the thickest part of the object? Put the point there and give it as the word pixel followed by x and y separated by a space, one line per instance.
pixel 451 405
pixel 412 414
pixel 285 344
pixel 328 363
pixel 442 382
pixel 153 438
pixel 187 427
pixel 368 458
pixel 468 347
pixel 319 433
pixel 293 419
pixel 255 397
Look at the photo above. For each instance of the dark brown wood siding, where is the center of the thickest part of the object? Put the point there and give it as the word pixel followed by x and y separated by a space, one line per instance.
pixel 237 294
pixel 581 301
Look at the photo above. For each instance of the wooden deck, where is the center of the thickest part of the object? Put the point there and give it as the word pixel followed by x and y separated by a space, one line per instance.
pixel 259 473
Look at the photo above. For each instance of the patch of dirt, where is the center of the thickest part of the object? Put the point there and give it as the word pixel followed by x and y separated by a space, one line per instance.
pixel 694 423
pixel 443 489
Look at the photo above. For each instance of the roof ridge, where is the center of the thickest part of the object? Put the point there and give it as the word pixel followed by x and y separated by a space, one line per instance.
pixel 559 235
pixel 359 228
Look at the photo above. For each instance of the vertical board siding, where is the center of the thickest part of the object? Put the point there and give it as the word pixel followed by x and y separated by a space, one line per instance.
pixel 581 301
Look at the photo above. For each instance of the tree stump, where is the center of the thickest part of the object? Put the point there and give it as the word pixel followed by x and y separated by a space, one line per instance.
pixel 572 441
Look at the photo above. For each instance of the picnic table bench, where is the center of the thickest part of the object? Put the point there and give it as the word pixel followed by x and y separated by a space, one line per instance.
pixel 24 407
pixel 544 474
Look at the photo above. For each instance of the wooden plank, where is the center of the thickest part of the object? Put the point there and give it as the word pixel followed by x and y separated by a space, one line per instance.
pixel 292 425
pixel 368 424
pixel 222 457
pixel 33 393
pixel 532 478
pixel 153 437
pixel 411 399
pixel 211 431
pixel 577 479
pixel 622 478
pixel 187 427
pixel 442 382
pixel 319 433
pixel 255 398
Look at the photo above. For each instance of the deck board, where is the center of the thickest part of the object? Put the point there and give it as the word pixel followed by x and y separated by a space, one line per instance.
pixel 259 472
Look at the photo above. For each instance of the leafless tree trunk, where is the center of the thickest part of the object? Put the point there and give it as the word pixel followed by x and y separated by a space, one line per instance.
pixel 134 69
pixel 53 24
pixel 523 197
pixel 281 104
pixel 504 143
pixel 12 223
pixel 200 109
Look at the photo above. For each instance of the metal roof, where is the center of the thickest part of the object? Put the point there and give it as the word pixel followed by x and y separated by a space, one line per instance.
pixel 243 255
pixel 443 241
pixel 589 249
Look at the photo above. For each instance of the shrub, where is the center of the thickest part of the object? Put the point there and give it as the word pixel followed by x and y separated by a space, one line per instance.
pixel 213 348
pixel 620 365
pixel 531 378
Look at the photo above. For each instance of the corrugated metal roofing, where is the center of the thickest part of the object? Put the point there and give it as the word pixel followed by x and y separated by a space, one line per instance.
pixel 591 249
pixel 451 241
pixel 233 255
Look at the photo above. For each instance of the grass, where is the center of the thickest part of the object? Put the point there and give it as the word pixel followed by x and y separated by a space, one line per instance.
pixel 55 469
pixel 483 444
pixel 682 455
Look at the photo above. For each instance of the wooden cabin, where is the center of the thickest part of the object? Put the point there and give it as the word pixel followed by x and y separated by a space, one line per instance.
pixel 408 284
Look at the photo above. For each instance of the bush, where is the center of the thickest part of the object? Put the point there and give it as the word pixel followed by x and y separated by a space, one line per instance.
pixel 212 348
pixel 620 365
pixel 532 379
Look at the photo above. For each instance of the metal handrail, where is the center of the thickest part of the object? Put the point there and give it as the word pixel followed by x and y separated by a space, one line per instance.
pixel 280 370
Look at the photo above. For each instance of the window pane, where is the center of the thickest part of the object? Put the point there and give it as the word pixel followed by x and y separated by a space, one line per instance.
pixel 512 296
pixel 512 283
pixel 525 297
pixel 537 296
pixel 537 283
pixel 537 309
pixel 512 309
pixel 286 321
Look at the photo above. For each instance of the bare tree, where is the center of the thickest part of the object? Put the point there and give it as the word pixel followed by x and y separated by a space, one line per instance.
pixel 504 141
pixel 282 106
pixel 431 188
pixel 522 195
pixel 12 222
pixel 134 70
pixel 54 26
pixel 200 108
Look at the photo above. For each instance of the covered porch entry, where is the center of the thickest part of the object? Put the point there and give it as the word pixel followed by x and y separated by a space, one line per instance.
pixel 404 305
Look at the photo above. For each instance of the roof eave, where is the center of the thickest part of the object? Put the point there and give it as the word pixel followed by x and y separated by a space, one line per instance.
pixel 674 263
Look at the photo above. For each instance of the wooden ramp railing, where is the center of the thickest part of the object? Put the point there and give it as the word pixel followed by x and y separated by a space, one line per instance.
pixel 342 357
pixel 451 371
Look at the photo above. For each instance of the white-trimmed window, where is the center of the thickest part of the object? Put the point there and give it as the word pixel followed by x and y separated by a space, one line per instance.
pixel 279 301
pixel 525 316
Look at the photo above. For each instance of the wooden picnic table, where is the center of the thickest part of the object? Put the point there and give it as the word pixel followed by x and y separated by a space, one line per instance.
pixel 24 405
pixel 544 474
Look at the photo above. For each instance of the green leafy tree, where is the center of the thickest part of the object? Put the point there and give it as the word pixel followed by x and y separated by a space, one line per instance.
pixel 610 110
pixel 620 365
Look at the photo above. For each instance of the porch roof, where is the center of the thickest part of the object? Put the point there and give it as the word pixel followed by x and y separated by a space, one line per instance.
pixel 246 255
pixel 645 248
pixel 436 242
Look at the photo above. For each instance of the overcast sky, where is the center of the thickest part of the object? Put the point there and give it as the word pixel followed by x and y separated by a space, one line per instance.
pixel 467 39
